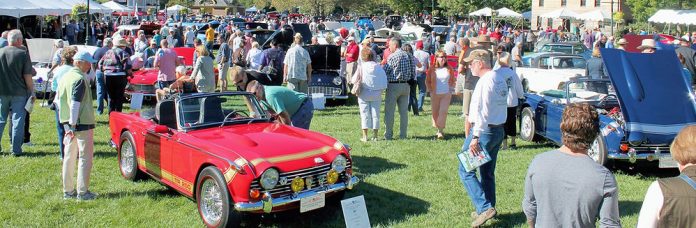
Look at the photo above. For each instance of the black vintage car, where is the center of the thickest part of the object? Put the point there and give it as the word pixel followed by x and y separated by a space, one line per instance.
pixel 326 72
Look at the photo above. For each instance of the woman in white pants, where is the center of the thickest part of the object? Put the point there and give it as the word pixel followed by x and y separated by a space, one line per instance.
pixel 440 81
pixel 373 81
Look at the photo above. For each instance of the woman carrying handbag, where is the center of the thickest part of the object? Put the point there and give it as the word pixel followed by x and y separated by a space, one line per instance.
pixel 369 81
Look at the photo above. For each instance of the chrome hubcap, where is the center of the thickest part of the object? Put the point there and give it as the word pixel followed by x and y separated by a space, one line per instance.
pixel 526 128
pixel 211 201
pixel 593 152
pixel 127 157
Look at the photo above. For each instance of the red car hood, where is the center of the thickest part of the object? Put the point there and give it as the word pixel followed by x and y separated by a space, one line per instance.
pixel 144 77
pixel 267 145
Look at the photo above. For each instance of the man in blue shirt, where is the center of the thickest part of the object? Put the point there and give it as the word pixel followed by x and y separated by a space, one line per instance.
pixel 3 39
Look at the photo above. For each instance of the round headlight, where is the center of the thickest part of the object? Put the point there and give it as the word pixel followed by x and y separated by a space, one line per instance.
pixel 337 80
pixel 269 179
pixel 339 163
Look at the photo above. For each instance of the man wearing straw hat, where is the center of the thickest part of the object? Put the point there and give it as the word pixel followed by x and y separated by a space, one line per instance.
pixel 647 46
pixel 621 44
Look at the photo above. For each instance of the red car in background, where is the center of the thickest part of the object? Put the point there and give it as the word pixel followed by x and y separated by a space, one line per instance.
pixel 227 153
pixel 635 40
pixel 143 80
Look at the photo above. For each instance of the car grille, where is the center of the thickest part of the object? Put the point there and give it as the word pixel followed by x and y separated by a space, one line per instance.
pixel 327 91
pixel 142 88
pixel 315 172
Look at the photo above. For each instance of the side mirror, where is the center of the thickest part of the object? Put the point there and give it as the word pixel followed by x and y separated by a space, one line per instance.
pixel 161 129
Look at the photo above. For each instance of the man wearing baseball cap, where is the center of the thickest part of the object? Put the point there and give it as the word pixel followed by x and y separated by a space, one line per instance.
pixel 77 116
pixel 488 111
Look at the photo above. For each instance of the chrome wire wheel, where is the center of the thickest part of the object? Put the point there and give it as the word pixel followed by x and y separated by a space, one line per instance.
pixel 211 201
pixel 594 151
pixel 526 128
pixel 127 158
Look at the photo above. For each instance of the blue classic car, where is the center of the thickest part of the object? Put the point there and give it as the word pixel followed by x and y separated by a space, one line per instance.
pixel 326 72
pixel 642 108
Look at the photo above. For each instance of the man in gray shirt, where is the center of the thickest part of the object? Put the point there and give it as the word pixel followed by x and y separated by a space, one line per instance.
pixel 16 87
pixel 565 187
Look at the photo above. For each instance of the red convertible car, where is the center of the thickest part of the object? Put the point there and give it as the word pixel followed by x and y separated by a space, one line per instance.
pixel 225 151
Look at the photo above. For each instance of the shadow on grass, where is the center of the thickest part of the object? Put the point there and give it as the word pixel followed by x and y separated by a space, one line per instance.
pixel 163 192
pixel 629 208
pixel 508 220
pixel 448 136
pixel 365 166
pixel 646 170
pixel 384 207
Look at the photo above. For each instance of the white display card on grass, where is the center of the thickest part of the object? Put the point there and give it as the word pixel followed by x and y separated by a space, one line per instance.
pixel 136 101
pixel 355 212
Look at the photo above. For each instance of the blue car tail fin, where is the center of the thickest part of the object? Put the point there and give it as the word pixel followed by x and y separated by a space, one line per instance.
pixel 656 99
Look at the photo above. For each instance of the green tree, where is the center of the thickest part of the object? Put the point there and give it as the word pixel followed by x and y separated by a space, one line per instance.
pixel 79 12
pixel 644 9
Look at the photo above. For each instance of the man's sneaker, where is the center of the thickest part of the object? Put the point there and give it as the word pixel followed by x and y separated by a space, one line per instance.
pixel 69 195
pixel 484 217
pixel 87 196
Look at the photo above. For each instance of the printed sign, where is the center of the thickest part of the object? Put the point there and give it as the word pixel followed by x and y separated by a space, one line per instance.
pixel 136 101
pixel 355 212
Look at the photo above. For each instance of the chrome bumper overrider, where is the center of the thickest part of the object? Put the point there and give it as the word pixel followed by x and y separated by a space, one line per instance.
pixel 268 203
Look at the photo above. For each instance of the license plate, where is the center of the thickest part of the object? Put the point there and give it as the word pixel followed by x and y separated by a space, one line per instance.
pixel 312 202
pixel 668 162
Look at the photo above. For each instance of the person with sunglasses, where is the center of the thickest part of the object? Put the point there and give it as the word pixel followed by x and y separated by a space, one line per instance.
pixel 440 81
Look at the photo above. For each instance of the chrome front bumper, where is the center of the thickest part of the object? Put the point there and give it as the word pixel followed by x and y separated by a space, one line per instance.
pixel 632 156
pixel 268 203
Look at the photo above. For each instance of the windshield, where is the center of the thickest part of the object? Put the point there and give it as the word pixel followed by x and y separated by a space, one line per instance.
pixel 568 63
pixel 408 37
pixel 557 48
pixel 214 109
pixel 562 63
pixel 599 92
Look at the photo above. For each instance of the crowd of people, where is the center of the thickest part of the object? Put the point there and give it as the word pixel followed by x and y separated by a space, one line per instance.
pixel 400 77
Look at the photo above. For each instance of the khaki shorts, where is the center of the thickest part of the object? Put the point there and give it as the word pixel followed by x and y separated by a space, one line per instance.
pixel 466 101
pixel 350 70
pixel 459 86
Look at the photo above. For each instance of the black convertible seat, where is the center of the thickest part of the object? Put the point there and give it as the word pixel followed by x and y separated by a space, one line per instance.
pixel 165 113
pixel 211 110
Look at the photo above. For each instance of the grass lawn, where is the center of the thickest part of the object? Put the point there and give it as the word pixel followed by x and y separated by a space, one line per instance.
pixel 406 183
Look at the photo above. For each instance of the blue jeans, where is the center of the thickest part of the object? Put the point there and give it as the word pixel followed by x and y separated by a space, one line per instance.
pixel 16 103
pixel 420 78
pixel 163 84
pixel 61 133
pixel 412 99
pixel 482 193
pixel 102 95
pixel 302 118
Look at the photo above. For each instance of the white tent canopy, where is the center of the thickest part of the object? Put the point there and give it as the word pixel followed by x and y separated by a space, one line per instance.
pixel 94 7
pixel 19 8
pixel 685 17
pixel 251 9
pixel 505 12
pixel 50 7
pixel 562 13
pixel 116 7
pixel 487 12
pixel 175 9
pixel 595 15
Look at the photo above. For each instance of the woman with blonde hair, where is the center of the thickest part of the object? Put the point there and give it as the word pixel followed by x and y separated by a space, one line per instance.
pixel 669 202
pixel 369 82
pixel 595 69
pixel 439 81
pixel 203 73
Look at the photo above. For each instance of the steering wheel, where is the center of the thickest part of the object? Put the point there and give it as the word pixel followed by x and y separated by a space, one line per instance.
pixel 233 112
pixel 606 98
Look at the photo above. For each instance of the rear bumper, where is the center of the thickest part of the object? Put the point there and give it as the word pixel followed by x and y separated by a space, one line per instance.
pixel 268 202
pixel 659 154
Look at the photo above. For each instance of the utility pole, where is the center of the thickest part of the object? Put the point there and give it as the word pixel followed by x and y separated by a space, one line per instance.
pixel 87 25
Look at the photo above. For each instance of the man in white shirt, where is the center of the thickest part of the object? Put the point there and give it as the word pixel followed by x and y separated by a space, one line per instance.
pixel 297 69
pixel 451 46
pixel 488 111
pixel 189 37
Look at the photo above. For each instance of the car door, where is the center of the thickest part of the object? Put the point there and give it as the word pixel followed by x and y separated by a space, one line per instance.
pixel 155 147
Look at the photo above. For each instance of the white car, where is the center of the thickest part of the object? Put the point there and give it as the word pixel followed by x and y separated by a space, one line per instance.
pixel 41 61
pixel 549 71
